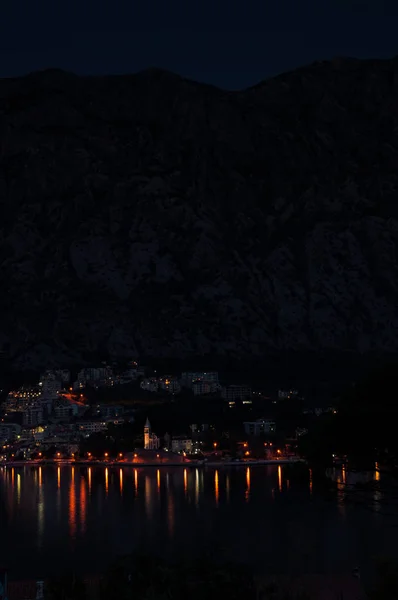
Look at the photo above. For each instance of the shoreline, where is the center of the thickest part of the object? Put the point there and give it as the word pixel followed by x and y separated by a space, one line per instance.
pixel 158 464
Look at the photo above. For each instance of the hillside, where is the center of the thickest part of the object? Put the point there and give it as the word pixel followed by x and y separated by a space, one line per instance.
pixel 149 215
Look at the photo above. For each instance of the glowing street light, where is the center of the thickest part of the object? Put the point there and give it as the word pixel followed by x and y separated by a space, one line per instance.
pixel 106 455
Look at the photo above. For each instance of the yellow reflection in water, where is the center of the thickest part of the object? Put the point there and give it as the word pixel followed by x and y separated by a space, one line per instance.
pixel 158 478
pixel 12 476
pixel 280 478
pixel 135 480
pixel 185 481
pixel 121 480
pixel 216 490
pixel 89 480
pixel 377 472
pixel 106 480
pixel 40 477
pixel 59 477
pixel 18 488
pixel 197 487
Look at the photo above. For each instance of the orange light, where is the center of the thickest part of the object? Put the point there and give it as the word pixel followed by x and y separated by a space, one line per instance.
pixel 245 445
pixel 157 456
pixel 247 453
pixel 215 444
pixel 135 455
pixel 39 453
pixel 106 455
pixel 278 451
pixel 58 453
pixel 120 455
pixel 89 454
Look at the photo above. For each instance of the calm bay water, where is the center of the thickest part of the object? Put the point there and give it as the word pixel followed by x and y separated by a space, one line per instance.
pixel 54 519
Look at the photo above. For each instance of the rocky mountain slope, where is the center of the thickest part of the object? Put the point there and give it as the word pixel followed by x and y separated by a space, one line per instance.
pixel 150 215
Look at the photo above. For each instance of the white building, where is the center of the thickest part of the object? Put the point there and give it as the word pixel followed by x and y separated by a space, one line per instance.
pixel 169 384
pixel 89 427
pixel 232 393
pixel 202 388
pixel 9 431
pixel 33 416
pixel 259 427
pixel 287 394
pixel 188 378
pixel 50 385
pixel 94 377
pixel 150 384
pixel 181 444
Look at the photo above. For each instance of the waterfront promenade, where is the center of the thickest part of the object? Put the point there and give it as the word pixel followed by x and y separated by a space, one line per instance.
pixel 154 463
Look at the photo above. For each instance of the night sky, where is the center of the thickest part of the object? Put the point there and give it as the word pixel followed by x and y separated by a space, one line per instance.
pixel 226 43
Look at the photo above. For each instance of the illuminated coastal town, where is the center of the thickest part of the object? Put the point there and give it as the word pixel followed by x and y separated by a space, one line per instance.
pixel 135 416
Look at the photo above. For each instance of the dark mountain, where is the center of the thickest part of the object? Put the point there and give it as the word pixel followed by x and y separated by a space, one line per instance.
pixel 150 215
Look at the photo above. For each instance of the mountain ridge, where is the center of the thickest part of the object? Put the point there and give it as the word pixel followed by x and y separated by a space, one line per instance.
pixel 150 215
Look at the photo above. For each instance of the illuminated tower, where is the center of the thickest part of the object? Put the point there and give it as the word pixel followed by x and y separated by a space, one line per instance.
pixel 147 435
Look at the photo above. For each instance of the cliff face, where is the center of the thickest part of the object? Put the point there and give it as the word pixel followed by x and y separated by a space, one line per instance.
pixel 150 215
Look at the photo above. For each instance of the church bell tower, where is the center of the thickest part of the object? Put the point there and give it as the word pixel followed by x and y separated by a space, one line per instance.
pixel 147 435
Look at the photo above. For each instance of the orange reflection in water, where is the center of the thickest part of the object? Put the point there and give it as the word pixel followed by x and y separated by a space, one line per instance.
pixel 18 488
pixel 121 480
pixel 343 475
pixel 149 499
pixel 59 477
pixel 136 480
pixel 197 486
pixel 185 481
pixel 106 480
pixel 216 489
pixel 158 478
pixel 280 478
pixel 247 494
pixel 40 477
pixel 89 480
pixel 377 472
pixel 83 504
pixel 72 505
pixel 12 476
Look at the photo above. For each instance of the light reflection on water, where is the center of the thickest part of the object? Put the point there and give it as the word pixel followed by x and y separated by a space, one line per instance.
pixel 113 510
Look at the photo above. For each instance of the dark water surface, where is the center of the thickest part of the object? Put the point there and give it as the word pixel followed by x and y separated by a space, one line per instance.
pixel 54 519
